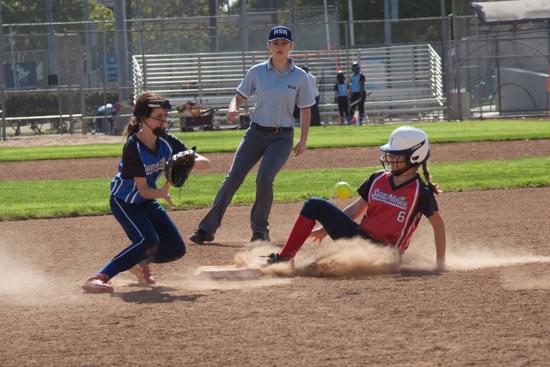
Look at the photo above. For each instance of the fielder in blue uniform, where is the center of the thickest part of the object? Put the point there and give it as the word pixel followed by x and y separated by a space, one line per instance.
pixel 278 85
pixel 341 90
pixel 154 237
pixel 358 92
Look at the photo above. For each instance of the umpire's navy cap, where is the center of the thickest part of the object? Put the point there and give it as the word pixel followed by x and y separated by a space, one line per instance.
pixel 280 33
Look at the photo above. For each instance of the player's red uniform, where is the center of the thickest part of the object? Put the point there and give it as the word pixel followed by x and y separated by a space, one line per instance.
pixel 394 211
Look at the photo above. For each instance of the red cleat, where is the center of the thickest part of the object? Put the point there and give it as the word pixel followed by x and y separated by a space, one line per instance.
pixel 99 283
pixel 143 274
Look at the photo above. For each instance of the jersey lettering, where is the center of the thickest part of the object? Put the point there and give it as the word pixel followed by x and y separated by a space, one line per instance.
pixel 153 163
pixel 391 216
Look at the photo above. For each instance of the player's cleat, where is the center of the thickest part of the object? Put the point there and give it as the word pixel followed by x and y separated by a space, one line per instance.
pixel 259 236
pixel 275 258
pixel 200 236
pixel 99 283
pixel 143 274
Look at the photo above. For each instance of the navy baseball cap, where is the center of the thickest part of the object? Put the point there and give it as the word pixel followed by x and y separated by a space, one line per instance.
pixel 280 33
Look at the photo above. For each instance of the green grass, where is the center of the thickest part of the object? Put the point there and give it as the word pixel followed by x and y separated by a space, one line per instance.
pixel 319 137
pixel 42 199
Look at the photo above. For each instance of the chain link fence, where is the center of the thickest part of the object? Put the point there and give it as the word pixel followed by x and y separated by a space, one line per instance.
pixel 499 69
pixel 69 70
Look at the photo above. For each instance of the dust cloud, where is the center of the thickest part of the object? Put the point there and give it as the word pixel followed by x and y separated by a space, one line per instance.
pixel 468 256
pixel 21 281
pixel 344 258
pixel 358 257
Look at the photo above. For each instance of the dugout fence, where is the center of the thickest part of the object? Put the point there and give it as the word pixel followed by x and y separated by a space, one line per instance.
pixel 71 68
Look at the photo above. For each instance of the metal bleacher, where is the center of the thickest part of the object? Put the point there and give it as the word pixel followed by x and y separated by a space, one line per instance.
pixel 404 82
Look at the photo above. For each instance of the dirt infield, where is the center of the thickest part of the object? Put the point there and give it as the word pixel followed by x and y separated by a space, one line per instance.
pixel 490 309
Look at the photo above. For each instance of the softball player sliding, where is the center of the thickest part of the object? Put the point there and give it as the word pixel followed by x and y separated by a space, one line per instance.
pixel 394 200
pixel 133 202
pixel 278 85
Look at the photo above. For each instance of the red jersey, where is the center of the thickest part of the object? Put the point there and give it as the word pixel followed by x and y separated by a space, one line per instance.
pixel 394 211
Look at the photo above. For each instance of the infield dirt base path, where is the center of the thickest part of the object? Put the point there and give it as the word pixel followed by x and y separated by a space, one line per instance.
pixel 484 311
pixel 491 308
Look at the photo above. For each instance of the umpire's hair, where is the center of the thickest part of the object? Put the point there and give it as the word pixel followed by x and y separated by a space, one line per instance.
pixel 141 111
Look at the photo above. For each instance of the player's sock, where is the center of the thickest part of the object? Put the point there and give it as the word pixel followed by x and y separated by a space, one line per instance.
pixel 300 232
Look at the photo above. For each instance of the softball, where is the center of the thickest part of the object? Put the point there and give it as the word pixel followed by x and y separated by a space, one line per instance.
pixel 342 190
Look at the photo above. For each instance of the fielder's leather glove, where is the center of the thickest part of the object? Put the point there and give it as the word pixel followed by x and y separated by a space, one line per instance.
pixel 179 166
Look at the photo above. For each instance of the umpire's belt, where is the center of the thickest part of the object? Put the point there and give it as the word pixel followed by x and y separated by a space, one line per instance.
pixel 275 130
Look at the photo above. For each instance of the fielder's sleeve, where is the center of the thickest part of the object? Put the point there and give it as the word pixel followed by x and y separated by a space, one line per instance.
pixel 304 95
pixel 176 144
pixel 132 166
pixel 248 85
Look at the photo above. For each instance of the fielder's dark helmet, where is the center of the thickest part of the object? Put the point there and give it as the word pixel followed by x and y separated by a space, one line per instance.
pixel 355 67
pixel 340 76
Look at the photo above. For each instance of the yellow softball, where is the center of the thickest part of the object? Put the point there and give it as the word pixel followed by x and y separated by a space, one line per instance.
pixel 342 190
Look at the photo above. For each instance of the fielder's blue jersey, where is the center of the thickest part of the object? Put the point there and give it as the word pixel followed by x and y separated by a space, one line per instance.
pixel 139 161
pixel 341 89
pixel 356 81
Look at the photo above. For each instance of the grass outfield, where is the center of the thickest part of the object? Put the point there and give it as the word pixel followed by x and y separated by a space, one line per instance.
pixel 319 137
pixel 44 199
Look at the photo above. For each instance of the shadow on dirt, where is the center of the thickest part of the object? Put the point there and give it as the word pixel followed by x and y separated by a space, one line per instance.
pixel 217 244
pixel 414 273
pixel 156 295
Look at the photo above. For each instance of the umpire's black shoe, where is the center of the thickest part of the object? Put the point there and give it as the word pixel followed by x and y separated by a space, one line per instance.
pixel 200 236
pixel 259 236
pixel 275 258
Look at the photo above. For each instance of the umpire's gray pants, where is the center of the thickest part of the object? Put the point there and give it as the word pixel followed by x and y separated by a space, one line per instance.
pixel 275 149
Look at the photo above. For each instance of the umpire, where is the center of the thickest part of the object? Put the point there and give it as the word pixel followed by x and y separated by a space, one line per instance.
pixel 278 85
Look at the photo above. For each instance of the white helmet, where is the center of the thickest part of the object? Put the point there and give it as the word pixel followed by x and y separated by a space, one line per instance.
pixel 409 141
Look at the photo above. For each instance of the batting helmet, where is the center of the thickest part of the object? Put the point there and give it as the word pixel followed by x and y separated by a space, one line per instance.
pixel 408 141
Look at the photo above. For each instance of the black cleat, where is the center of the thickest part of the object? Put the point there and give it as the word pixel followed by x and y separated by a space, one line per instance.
pixel 200 236
pixel 259 236
pixel 275 258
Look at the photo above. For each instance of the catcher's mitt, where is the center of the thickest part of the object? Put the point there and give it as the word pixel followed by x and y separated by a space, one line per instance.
pixel 179 167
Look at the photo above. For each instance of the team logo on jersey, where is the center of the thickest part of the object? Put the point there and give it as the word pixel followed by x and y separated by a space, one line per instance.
pixel 155 167
pixel 390 199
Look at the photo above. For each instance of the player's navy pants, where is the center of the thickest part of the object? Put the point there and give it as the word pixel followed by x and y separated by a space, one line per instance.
pixel 360 105
pixel 154 236
pixel 334 220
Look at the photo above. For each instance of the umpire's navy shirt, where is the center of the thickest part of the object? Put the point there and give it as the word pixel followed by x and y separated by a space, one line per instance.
pixel 276 93
pixel 140 161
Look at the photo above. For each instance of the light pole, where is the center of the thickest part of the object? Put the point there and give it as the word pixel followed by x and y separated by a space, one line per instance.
pixel 2 76
pixel 327 29
pixel 351 25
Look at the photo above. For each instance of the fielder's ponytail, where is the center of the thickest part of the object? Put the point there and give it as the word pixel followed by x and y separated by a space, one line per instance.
pixel 141 111
pixel 433 186
pixel 131 128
